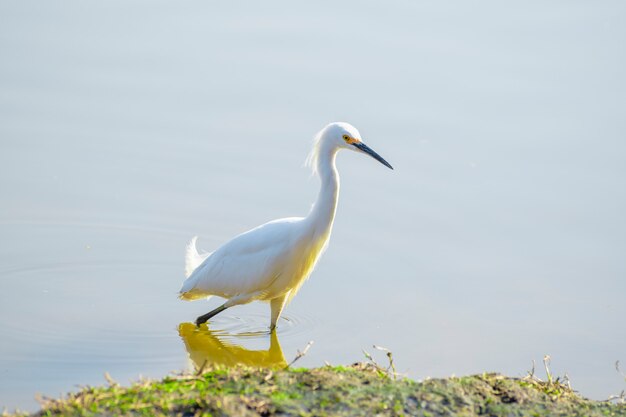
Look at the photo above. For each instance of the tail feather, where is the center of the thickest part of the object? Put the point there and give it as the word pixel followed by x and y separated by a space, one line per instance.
pixel 193 259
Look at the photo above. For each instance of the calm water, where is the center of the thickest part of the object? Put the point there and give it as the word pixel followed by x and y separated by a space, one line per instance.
pixel 127 128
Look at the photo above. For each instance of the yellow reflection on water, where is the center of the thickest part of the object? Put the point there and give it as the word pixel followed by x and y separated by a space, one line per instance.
pixel 208 347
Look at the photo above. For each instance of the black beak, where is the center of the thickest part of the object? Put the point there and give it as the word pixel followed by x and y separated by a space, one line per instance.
pixel 363 147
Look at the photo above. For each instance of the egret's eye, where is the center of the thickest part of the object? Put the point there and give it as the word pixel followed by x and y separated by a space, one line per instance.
pixel 346 138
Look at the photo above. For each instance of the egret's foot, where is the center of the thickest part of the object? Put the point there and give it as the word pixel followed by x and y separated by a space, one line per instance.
pixel 205 317
pixel 272 328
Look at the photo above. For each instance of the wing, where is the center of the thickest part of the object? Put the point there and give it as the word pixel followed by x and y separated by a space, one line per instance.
pixel 247 264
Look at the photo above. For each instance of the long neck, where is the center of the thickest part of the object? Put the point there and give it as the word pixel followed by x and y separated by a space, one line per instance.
pixel 322 214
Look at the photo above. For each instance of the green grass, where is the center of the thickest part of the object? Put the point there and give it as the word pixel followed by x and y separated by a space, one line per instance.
pixel 329 391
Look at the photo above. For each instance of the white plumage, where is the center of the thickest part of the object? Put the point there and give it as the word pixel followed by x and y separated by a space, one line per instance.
pixel 270 262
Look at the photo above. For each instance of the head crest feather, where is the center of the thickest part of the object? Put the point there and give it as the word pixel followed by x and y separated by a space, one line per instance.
pixel 314 154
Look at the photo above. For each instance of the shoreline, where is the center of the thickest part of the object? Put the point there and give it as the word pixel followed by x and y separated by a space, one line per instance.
pixel 359 389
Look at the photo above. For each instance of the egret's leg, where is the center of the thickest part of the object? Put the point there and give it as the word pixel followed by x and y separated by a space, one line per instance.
pixel 203 318
pixel 277 305
pixel 237 300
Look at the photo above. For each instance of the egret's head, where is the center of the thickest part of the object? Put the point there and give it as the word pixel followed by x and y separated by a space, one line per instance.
pixel 341 135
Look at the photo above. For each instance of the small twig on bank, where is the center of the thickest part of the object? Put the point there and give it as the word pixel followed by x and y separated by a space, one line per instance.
pixel 390 357
pixel 546 364
pixel 554 386
pixel 110 380
pixel 531 373
pixel 42 400
pixel 567 381
pixel 371 359
pixel 621 398
pixel 300 354
pixel 373 363
pixel 389 370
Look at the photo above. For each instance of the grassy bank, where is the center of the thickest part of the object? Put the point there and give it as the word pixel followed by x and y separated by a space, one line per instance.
pixel 354 390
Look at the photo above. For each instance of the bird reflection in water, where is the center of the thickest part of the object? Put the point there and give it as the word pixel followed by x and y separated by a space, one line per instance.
pixel 208 347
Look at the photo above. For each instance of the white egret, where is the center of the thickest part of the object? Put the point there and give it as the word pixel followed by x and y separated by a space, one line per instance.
pixel 271 262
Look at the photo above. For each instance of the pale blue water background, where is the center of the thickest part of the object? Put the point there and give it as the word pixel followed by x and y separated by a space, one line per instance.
pixel 128 127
